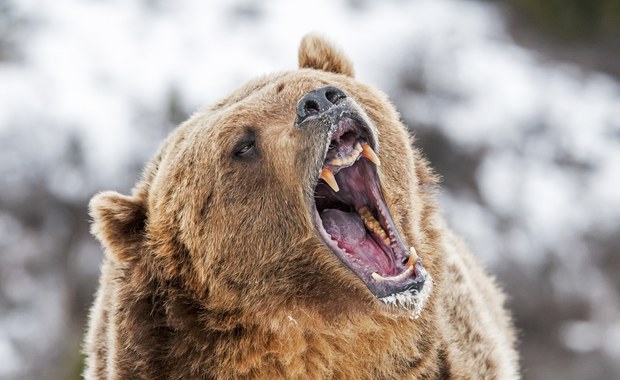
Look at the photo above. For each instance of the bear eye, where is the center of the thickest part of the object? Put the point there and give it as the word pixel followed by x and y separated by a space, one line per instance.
pixel 245 149
pixel 246 146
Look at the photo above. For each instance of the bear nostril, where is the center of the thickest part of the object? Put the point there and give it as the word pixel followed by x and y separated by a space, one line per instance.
pixel 311 107
pixel 334 96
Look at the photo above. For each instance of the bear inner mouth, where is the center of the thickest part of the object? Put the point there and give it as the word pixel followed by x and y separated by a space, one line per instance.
pixel 354 220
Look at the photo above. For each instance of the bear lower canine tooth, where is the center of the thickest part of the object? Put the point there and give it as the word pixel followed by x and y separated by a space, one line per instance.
pixel 413 257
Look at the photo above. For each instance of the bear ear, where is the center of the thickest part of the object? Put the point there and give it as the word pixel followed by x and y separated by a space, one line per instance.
pixel 118 223
pixel 315 52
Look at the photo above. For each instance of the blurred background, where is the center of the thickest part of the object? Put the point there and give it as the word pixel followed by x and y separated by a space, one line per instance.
pixel 516 103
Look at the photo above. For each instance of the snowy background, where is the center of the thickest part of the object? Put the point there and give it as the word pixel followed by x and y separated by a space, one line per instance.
pixel 524 130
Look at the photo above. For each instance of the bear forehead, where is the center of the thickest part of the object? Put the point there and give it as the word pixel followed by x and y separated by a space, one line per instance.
pixel 272 91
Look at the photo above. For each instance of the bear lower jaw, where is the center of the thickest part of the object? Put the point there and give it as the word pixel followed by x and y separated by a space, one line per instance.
pixel 413 300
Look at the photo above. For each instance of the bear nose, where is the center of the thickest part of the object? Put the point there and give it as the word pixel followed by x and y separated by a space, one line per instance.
pixel 318 101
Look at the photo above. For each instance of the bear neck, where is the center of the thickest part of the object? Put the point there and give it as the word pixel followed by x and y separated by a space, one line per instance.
pixel 165 331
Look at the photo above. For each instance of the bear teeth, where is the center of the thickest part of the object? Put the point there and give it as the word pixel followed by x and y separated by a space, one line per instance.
pixel 399 277
pixel 371 155
pixel 372 224
pixel 413 257
pixel 350 159
pixel 327 175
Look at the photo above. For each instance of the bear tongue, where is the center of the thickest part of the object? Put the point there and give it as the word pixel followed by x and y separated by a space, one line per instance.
pixel 347 229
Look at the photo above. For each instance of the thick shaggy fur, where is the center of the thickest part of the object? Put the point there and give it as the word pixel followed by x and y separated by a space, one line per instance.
pixel 214 269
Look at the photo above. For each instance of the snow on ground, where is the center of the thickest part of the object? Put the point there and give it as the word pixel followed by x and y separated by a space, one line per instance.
pixel 103 72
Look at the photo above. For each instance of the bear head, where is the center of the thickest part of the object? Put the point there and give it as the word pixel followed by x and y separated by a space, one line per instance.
pixel 299 191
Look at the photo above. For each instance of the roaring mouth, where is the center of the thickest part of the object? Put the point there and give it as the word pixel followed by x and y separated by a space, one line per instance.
pixel 354 221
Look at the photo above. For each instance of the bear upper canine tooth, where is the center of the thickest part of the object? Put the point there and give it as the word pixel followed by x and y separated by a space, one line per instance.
pixel 371 155
pixel 327 175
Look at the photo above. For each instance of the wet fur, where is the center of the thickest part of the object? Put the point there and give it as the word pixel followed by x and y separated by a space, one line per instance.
pixel 213 268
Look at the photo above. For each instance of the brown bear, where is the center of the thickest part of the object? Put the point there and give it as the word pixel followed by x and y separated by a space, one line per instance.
pixel 290 231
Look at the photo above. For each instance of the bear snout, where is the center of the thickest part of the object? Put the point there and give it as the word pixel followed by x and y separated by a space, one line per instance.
pixel 317 102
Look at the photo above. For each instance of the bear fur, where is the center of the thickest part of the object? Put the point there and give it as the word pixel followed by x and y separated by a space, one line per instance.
pixel 213 268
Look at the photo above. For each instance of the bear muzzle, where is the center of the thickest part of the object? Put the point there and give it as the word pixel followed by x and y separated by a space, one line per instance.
pixel 317 102
pixel 350 212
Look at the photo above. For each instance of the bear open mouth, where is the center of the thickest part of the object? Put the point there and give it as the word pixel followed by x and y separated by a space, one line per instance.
pixel 355 222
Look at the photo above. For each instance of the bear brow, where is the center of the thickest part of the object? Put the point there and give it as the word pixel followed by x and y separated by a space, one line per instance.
pixel 237 97
pixel 245 91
